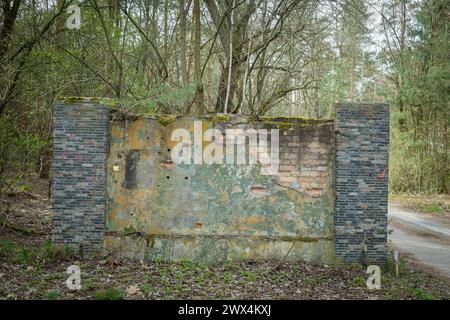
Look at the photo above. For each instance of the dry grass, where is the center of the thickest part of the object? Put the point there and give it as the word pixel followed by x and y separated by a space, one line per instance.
pixel 431 204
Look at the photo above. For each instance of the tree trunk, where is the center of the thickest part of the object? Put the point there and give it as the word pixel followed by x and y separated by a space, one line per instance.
pixel 9 18
pixel 198 72
pixel 9 13
pixel 183 62
pixel 223 88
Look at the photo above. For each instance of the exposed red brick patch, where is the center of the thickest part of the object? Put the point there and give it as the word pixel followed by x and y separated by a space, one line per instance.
pixel 258 190
pixel 168 164
pixel 198 225
pixel 315 193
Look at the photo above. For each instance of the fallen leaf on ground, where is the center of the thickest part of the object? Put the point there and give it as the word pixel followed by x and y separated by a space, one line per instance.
pixel 132 290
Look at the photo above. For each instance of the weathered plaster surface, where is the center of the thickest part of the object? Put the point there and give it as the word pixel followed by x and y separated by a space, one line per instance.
pixel 159 210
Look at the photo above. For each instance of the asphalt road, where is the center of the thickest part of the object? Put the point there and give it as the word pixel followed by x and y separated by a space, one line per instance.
pixel 425 237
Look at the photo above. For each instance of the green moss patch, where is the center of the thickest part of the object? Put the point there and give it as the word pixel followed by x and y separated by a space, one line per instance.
pixel 109 102
pixel 166 119
pixel 286 123
pixel 220 118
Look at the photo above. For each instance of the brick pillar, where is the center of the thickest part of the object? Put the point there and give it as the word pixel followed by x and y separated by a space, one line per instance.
pixel 361 177
pixel 80 151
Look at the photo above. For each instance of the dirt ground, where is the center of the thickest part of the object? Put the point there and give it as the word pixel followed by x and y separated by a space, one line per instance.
pixel 32 268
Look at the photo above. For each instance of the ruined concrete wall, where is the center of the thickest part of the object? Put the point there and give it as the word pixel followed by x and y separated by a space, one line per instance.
pixel 115 187
pixel 160 210
pixel 80 151
pixel 362 157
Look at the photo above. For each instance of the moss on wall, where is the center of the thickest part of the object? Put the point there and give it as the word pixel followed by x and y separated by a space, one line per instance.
pixel 109 102
pixel 166 119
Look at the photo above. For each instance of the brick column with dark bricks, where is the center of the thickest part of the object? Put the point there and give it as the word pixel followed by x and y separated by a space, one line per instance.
pixel 80 152
pixel 361 180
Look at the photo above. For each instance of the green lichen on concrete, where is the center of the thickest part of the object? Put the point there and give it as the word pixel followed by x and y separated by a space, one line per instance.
pixel 72 99
pixel 282 125
pixel 131 231
pixel 213 250
pixel 298 239
pixel 286 123
pixel 220 118
pixel 134 233
pixel 166 119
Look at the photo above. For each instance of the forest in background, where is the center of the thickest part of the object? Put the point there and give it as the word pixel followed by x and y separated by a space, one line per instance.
pixel 248 57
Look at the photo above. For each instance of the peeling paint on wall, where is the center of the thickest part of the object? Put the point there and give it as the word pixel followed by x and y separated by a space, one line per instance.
pixel 220 212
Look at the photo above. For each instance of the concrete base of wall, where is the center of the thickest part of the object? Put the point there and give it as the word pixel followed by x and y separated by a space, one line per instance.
pixel 219 249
